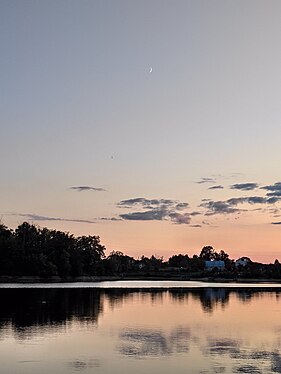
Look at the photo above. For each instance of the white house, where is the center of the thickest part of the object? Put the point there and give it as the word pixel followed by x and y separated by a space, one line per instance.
pixel 209 265
pixel 242 261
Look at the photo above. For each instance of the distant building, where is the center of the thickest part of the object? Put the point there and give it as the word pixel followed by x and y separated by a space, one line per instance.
pixel 243 261
pixel 209 265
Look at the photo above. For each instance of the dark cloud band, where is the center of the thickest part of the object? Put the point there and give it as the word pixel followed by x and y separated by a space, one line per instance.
pixel 87 188
pixel 230 206
pixel 155 210
pixel 244 186
pixel 218 187
pixel 36 217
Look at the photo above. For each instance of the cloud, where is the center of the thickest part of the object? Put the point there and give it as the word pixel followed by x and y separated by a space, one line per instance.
pixel 229 206
pixel 206 180
pixel 179 218
pixel 181 206
pixel 155 210
pixel 205 223
pixel 219 207
pixel 86 188
pixel 195 213
pixel 110 219
pixel 141 201
pixel 275 193
pixel 236 174
pixel 276 223
pixel 274 189
pixel 36 217
pixel 273 200
pixel 218 187
pixel 252 200
pixel 149 215
pixel 244 186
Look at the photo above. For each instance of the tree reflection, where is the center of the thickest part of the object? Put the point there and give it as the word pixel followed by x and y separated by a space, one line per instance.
pixel 25 309
pixel 210 298
pixel 36 308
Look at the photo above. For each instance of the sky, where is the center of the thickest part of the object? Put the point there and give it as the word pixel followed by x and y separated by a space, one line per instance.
pixel 153 124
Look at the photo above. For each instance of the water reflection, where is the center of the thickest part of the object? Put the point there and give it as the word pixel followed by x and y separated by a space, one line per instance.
pixel 35 309
pixel 81 365
pixel 142 343
pixel 25 308
pixel 211 330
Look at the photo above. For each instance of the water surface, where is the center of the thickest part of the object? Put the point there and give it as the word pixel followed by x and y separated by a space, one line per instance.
pixel 126 330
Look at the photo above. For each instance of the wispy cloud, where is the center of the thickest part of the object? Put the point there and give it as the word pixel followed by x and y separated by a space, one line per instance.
pixel 110 219
pixel 244 186
pixel 86 188
pixel 155 210
pixel 195 213
pixel 36 217
pixel 217 187
pixel 235 175
pixel 206 180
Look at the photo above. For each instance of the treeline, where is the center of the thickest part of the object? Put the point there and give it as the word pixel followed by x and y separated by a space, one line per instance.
pixel 33 251
pixel 30 250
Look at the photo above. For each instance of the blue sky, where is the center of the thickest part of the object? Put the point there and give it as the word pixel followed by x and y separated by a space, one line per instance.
pixel 79 107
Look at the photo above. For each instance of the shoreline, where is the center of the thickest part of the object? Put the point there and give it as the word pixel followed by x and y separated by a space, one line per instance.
pixel 90 279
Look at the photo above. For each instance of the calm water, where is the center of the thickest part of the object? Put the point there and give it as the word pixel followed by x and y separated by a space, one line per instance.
pixel 137 330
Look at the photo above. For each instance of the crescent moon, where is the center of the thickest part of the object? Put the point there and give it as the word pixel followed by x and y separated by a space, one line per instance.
pixel 150 69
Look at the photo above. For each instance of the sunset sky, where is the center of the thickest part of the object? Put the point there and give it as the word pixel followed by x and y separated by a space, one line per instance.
pixel 153 124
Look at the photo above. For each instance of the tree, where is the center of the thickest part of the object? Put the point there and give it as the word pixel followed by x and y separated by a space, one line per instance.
pixel 59 247
pixel 6 249
pixel 156 262
pixel 118 262
pixel 207 253
pixel 179 261
pixel 222 256
pixel 26 236
pixel 92 253
pixel 196 263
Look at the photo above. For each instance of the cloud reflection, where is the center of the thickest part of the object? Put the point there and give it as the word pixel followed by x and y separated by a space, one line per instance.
pixel 82 364
pixel 141 343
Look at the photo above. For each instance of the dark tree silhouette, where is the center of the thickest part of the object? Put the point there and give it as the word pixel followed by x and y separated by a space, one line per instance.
pixel 30 250
pixel 207 253
pixel 33 251
pixel 179 261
